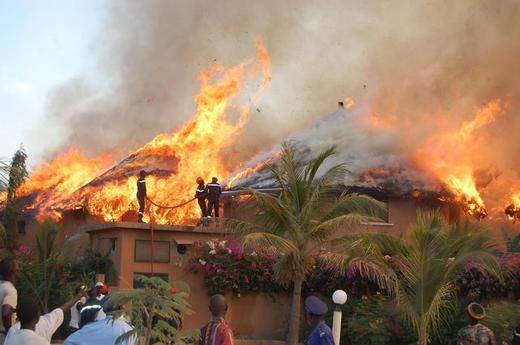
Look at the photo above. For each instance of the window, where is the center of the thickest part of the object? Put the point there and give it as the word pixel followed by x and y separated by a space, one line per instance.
pixel 20 226
pixel 137 284
pixel 143 253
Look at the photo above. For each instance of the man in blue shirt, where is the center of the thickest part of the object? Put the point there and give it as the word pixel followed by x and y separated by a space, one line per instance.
pixel 315 313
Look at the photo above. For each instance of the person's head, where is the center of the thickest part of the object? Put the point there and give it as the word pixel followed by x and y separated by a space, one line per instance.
pixel 218 305
pixel 8 269
pixel 90 312
pixel 142 174
pixel 93 292
pixel 476 312
pixel 200 180
pixel 99 288
pixel 315 310
pixel 214 179
pixel 28 312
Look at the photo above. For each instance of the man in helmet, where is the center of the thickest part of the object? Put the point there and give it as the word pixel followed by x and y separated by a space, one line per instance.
pixel 214 190
pixel 141 195
pixel 201 194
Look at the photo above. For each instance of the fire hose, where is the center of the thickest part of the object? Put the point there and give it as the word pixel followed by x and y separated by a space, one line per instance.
pixel 170 207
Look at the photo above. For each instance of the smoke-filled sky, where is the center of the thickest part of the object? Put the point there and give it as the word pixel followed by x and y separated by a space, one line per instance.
pixel 414 68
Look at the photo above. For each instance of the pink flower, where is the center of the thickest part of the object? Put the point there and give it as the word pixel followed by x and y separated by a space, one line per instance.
pixel 24 251
pixel 236 250
pixel 254 265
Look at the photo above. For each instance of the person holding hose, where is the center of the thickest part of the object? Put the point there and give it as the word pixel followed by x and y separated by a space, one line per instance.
pixel 200 195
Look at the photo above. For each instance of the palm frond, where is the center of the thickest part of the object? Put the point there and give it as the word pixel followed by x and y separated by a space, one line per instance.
pixel 270 242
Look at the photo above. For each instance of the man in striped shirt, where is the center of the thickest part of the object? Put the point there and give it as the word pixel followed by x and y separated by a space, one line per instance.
pixel 217 332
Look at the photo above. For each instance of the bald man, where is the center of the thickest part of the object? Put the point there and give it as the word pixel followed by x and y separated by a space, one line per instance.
pixel 217 332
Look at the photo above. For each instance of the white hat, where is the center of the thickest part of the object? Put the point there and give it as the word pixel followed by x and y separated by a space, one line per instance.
pixel 99 284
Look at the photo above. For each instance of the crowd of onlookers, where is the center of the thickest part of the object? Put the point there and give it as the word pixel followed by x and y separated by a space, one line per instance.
pixel 22 324
pixel 91 323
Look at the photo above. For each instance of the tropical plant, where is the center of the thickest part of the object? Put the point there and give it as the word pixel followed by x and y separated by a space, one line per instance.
pixel 226 267
pixel 4 175
pixel 155 309
pixel 424 267
pixel 40 273
pixel 512 244
pixel 303 218
pixel 17 175
pixel 367 325
pixel 502 318
pixel 86 266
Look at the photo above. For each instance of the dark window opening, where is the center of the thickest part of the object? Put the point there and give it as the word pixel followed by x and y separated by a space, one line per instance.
pixel 182 249
pixel 143 251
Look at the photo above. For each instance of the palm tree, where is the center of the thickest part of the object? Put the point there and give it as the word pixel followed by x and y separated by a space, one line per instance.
pixel 305 217
pixel 40 274
pixel 17 175
pixel 156 310
pixel 423 267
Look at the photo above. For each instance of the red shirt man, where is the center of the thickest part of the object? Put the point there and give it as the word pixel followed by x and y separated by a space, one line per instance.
pixel 217 332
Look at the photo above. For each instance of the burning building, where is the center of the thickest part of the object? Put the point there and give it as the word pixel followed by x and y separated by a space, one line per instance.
pixel 438 172
pixel 98 196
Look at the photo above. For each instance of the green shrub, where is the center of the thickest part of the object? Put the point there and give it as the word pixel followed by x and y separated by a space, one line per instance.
pixel 367 325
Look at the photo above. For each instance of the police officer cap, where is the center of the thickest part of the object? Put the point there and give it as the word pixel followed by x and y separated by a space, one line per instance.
pixel 315 306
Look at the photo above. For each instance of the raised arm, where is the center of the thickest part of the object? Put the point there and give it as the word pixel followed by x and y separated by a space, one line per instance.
pixel 7 316
pixel 70 303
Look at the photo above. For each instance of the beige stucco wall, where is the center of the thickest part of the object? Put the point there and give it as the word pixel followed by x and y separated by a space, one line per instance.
pixel 250 316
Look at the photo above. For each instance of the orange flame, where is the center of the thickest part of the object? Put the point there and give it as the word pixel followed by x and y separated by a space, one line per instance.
pixel 513 210
pixel 53 183
pixel 449 157
pixel 192 151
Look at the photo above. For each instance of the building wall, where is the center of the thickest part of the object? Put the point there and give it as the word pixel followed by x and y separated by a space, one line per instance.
pixel 247 314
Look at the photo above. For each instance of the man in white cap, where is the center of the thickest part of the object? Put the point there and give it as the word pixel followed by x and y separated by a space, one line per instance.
pixel 315 313
pixel 99 287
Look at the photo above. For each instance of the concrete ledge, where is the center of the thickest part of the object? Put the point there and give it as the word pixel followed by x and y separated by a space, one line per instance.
pixel 156 227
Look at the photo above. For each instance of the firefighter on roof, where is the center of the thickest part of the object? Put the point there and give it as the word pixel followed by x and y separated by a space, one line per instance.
pixel 214 191
pixel 201 195
pixel 141 195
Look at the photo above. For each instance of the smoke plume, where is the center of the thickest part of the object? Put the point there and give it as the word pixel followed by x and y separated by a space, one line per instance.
pixel 415 70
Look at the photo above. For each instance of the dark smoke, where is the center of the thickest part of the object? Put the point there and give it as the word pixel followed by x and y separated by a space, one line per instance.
pixel 425 66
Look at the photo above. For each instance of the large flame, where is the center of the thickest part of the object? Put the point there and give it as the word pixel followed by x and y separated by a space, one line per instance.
pixel 513 210
pixel 174 161
pixel 53 183
pixel 451 158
